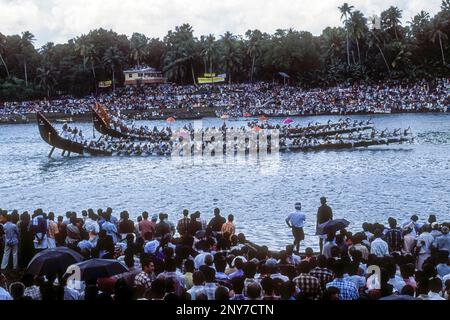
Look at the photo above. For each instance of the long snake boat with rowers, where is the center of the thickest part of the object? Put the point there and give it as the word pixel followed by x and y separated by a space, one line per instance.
pixel 102 123
pixel 50 135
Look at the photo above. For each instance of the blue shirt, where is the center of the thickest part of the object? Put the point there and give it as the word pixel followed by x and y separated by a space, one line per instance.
pixel 4 295
pixel 237 274
pixel 11 233
pixel 296 219
pixel 111 230
pixel 347 289
pixel 442 242
pixel 443 269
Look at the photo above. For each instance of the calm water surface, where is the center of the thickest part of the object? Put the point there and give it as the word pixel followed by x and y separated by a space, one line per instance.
pixel 361 185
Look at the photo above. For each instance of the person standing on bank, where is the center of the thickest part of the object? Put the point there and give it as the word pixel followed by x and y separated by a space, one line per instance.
pixel 324 214
pixel 295 221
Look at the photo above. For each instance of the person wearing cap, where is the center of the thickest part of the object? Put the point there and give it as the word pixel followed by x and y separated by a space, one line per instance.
pixel 324 214
pixel 295 221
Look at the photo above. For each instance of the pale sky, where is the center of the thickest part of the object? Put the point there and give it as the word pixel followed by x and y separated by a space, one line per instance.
pixel 61 20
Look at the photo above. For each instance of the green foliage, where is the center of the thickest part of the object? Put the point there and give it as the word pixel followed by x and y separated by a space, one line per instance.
pixel 359 50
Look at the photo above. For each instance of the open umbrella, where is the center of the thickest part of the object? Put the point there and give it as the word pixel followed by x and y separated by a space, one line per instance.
pixel 99 268
pixel 182 133
pixel 263 118
pixel 170 120
pixel 288 121
pixel 332 226
pixel 53 261
pixel 247 115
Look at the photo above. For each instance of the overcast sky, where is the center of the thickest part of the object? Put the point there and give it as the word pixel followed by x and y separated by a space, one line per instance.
pixel 60 20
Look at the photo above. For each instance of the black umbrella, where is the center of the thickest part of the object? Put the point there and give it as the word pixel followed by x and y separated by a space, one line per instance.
pixel 332 226
pixel 99 268
pixel 53 261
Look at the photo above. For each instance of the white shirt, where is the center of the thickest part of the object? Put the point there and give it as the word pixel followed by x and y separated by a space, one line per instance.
pixel 199 259
pixel 379 247
pixel 432 296
pixel 279 276
pixel 91 226
pixel 210 289
pixel 424 241
pixel 294 259
pixel 195 291
pixel 326 251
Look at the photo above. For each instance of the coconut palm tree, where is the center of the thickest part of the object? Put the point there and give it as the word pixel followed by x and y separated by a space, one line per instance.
pixel 2 48
pixel 253 48
pixel 391 19
pixel 358 29
pixel 210 50
pixel 81 47
pixel 375 41
pixel 113 58
pixel 91 57
pixel 346 11
pixel 332 44
pixel 230 54
pixel 46 76
pixel 182 50
pixel 419 23
pixel 26 44
pixel 138 46
pixel 438 33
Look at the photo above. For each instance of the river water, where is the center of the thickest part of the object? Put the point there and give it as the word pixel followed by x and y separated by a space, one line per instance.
pixel 367 184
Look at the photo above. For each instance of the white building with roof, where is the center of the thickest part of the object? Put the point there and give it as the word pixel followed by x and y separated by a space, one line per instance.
pixel 143 75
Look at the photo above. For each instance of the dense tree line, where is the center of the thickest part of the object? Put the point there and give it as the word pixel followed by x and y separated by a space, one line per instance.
pixel 364 48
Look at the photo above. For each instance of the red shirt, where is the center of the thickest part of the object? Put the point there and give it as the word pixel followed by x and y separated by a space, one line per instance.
pixel 146 226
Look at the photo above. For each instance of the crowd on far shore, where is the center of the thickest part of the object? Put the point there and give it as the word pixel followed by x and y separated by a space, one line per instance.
pixel 252 99
pixel 189 258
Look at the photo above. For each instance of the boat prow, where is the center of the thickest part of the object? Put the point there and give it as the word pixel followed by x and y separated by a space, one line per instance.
pixel 102 125
pixel 50 135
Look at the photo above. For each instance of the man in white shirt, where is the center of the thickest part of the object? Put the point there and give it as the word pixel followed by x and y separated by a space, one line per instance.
pixel 379 247
pixel 424 242
pixel 295 221
pixel 328 244
pixel 291 257
pixel 199 285
pixel 413 224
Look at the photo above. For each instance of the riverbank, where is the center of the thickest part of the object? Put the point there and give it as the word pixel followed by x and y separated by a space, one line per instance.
pixel 192 114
